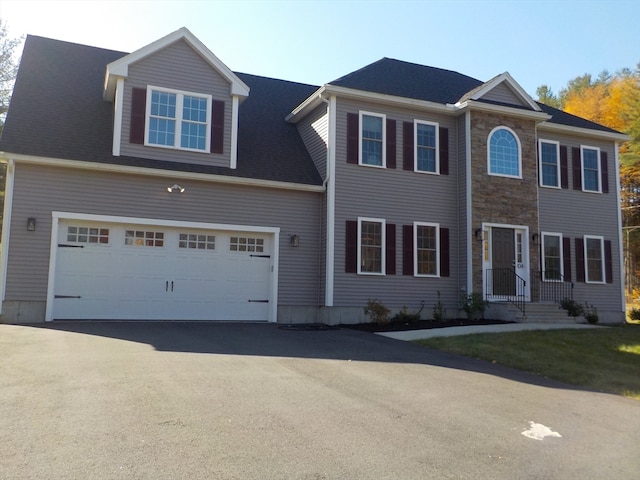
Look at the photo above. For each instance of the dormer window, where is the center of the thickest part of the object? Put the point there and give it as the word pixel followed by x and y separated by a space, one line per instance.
pixel 178 119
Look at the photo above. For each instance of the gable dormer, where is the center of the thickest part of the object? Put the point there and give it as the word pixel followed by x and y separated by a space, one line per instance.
pixel 174 100
pixel 501 89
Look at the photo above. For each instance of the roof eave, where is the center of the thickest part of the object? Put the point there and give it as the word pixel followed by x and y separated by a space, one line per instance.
pixel 587 132
pixel 489 107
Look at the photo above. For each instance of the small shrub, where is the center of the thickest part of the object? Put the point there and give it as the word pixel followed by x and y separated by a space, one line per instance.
pixel 404 316
pixel 439 312
pixel 591 314
pixel 573 308
pixel 377 312
pixel 474 305
pixel 634 314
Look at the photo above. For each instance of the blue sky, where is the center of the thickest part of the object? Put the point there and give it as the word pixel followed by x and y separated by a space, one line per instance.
pixel 313 41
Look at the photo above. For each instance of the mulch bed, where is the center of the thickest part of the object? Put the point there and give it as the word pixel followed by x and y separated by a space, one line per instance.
pixel 420 325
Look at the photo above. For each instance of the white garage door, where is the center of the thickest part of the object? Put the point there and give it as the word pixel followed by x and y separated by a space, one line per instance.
pixel 139 272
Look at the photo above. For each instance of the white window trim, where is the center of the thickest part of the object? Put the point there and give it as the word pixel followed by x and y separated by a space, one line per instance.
pixel 415 249
pixel 542 256
pixel 180 94
pixel 586 259
pixel 597 149
pixel 502 127
pixel 558 172
pixel 384 138
pixel 383 259
pixel 415 146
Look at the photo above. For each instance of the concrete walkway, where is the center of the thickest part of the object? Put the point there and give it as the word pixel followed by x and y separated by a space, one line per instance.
pixel 472 329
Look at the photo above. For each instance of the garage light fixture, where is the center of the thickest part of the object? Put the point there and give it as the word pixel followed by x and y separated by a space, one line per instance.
pixel 295 241
pixel 31 224
pixel 175 188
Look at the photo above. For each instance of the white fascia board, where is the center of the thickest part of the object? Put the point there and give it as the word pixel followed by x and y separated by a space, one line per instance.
pixel 585 132
pixel 505 77
pixel 153 172
pixel 120 68
pixel 516 112
pixel 330 90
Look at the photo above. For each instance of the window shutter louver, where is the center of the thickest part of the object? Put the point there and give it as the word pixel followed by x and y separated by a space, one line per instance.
pixel 577 168
pixel 353 123
pixel 407 147
pixel 407 249
pixel 390 249
pixel 351 247
pixel 580 260
pixel 444 252
pixel 608 264
pixel 604 172
pixel 566 258
pixel 391 143
pixel 138 114
pixel 217 126
pixel 444 151
pixel 564 167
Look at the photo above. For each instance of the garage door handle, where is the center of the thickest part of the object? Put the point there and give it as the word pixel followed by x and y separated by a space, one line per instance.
pixel 172 285
pixel 261 256
pixel 166 286
pixel 67 296
pixel 258 301
pixel 70 246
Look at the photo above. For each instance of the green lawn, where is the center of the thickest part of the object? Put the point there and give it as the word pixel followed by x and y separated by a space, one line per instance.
pixel 601 359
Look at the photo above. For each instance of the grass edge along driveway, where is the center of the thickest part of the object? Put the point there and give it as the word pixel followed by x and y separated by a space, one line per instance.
pixel 600 359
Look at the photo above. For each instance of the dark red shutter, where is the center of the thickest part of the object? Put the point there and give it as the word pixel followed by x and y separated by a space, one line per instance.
pixel 580 260
pixel 564 167
pixel 391 143
pixel 407 147
pixel 444 252
pixel 351 247
pixel 566 258
pixel 604 172
pixel 577 168
pixel 217 126
pixel 407 249
pixel 353 123
pixel 444 151
pixel 138 114
pixel 608 264
pixel 390 249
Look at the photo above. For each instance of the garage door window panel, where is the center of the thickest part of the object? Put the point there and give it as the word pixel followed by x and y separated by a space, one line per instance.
pixel 88 235
pixel 140 238
pixel 246 244
pixel 197 241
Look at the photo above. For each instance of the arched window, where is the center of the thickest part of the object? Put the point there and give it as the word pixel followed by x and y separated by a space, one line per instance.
pixel 504 153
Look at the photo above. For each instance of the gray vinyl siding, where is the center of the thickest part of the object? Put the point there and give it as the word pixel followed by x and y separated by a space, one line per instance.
pixel 399 197
pixel 40 190
pixel 314 130
pixel 177 67
pixel 575 213
pixel 503 94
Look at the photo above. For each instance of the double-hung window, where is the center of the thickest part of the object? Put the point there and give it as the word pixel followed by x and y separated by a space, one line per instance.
pixel 426 147
pixel 371 246
pixel 590 169
pixel 504 153
pixel 549 155
pixel 594 259
pixel 178 119
pixel 552 270
pixel 427 248
pixel 372 139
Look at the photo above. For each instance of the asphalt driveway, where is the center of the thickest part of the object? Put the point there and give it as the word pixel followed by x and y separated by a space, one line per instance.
pixel 223 401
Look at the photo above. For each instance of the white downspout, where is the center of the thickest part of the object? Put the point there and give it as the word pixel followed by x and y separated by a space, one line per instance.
pixel 331 202
pixel 468 236
pixel 6 229
pixel 620 248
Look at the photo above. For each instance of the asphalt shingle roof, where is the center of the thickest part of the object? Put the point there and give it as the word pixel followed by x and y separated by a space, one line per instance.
pixel 57 111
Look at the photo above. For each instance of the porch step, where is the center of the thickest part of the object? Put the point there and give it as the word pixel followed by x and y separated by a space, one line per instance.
pixel 541 313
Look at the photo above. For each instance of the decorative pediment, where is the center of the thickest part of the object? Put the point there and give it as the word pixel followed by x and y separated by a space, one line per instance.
pixel 501 89
pixel 120 68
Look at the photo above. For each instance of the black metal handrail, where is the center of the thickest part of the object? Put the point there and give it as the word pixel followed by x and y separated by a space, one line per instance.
pixel 551 286
pixel 504 284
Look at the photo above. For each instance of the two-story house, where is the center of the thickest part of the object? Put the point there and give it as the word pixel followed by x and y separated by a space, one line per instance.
pixel 161 185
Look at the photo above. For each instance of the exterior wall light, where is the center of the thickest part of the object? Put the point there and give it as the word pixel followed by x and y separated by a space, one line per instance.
pixel 175 188
pixel 479 234
pixel 31 224
pixel 535 238
pixel 295 241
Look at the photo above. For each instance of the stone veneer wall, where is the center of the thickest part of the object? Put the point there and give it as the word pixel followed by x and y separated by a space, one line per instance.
pixel 501 199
